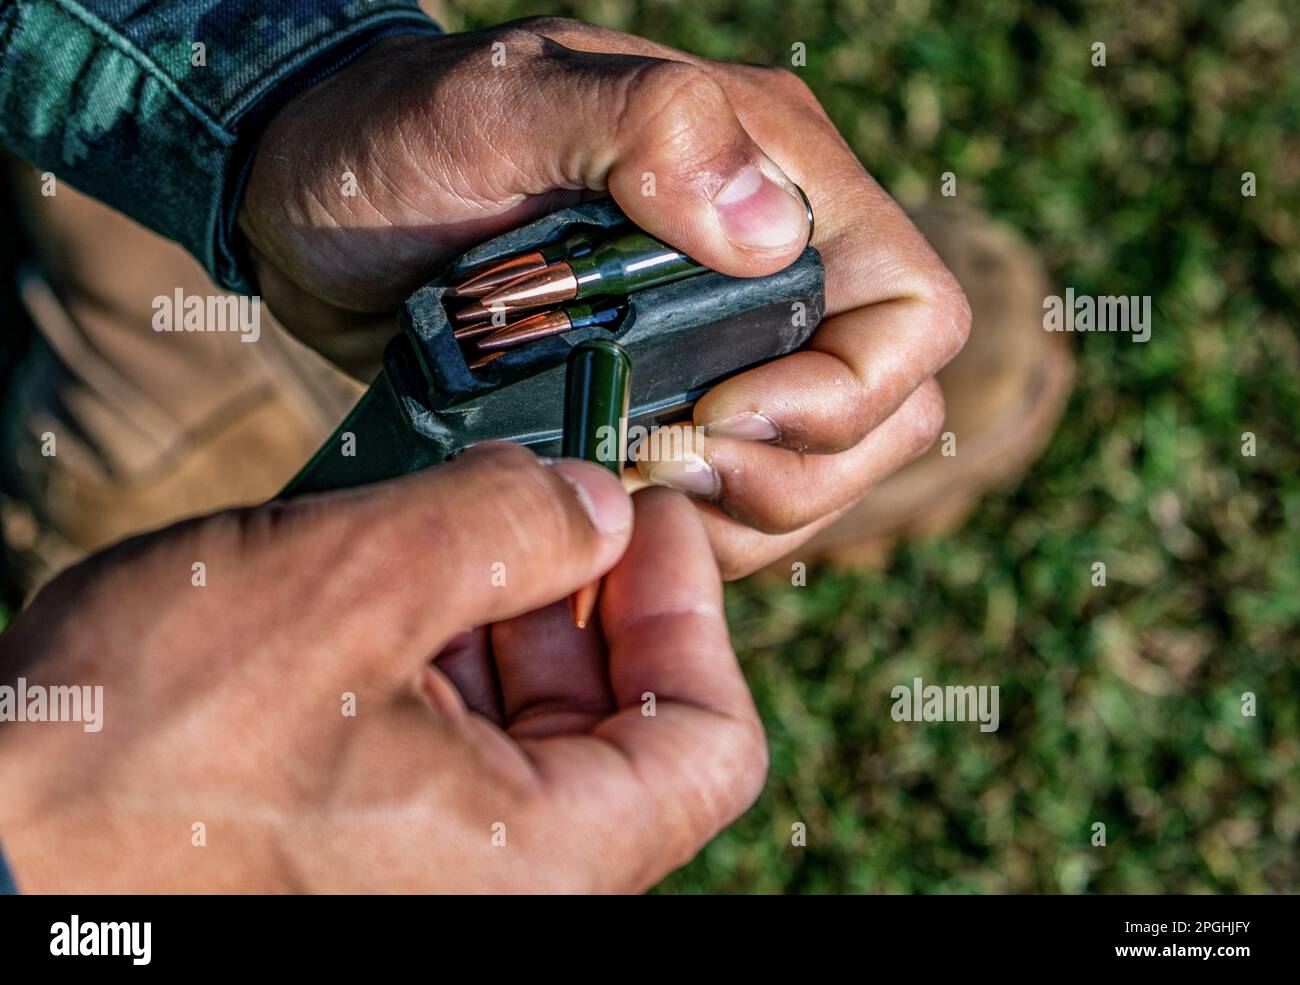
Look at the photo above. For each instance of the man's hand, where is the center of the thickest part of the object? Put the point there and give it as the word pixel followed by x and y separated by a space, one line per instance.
pixel 282 728
pixel 449 146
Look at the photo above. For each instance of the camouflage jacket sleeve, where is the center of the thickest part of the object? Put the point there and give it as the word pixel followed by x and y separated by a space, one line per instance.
pixel 154 106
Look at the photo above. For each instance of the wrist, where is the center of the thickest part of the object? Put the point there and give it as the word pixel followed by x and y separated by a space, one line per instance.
pixel 279 103
pixel 306 196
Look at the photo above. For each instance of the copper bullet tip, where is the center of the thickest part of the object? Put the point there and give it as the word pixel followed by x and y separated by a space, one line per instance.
pixel 473 331
pixel 550 285
pixel 477 312
pixel 582 604
pixel 500 274
pixel 530 329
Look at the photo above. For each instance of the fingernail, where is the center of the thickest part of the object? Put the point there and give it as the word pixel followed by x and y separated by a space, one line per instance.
pixel 760 212
pixel 747 427
pixel 598 491
pixel 691 474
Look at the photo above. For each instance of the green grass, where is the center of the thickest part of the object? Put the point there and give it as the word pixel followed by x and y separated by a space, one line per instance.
pixel 1119 704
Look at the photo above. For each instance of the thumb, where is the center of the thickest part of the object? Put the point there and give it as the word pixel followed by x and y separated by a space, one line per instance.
pixel 490 536
pixel 663 139
pixel 510 532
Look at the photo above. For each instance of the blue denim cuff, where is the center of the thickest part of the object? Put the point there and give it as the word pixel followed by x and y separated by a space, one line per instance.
pixel 153 107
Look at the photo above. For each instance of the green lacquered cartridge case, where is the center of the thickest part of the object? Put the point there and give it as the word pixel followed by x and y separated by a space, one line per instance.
pixel 597 388
pixel 628 263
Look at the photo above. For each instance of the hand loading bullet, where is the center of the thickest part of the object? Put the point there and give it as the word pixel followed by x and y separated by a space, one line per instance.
pixel 549 323
pixel 501 273
pixel 627 263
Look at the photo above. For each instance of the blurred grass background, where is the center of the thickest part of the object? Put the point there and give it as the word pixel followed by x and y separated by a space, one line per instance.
pixel 1119 704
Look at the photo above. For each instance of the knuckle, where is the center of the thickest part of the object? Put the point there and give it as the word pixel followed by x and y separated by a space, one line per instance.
pixel 850 415
pixel 738 551
pixel 757 760
pixel 667 102
pixel 733 776
pixel 669 82
pixel 548 26
pixel 790 84
pixel 733 564
pixel 926 411
pixel 519 37
pixel 950 312
pixel 858 419
pixel 782 517
pixel 745 753
pixel 267 529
